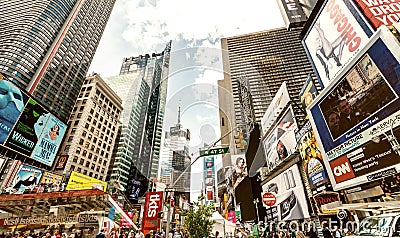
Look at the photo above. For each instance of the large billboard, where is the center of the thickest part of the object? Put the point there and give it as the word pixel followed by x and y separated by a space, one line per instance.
pixel 239 169
pixel 152 206
pixel 26 179
pixel 380 12
pixel 27 127
pixel 288 190
pixel 280 143
pixel 357 117
pixel 333 39
pixel 78 181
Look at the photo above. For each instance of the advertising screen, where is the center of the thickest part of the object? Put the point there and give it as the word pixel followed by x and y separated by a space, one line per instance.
pixel 357 117
pixel 291 203
pixel 78 181
pixel 26 179
pixel 333 39
pixel 239 169
pixel 281 142
pixel 380 12
pixel 12 103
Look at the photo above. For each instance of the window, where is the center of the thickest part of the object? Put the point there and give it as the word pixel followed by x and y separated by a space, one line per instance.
pixel 75 159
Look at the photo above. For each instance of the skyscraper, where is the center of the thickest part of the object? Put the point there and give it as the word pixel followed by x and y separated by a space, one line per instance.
pixel 175 155
pixel 142 86
pixel 46 47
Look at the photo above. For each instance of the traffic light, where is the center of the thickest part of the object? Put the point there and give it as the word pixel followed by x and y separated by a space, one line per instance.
pixel 239 140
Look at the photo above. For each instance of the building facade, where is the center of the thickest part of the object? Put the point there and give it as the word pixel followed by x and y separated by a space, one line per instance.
pixel 46 47
pixel 94 124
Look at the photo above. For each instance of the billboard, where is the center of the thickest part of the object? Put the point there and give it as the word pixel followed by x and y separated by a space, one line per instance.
pixel 278 103
pixel 281 142
pixel 78 181
pixel 292 12
pixel 49 140
pixel 380 12
pixel 308 92
pixel 239 169
pixel 357 117
pixel 291 203
pixel 62 161
pixel 12 103
pixel 51 178
pixel 152 206
pixel 209 178
pixel 333 39
pixel 26 179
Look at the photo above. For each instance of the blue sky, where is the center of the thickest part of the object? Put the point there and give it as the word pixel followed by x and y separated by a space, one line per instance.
pixel 195 27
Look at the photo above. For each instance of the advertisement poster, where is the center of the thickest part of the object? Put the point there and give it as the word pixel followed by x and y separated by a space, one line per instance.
pixel 78 181
pixel 312 161
pixel 333 40
pixel 134 193
pixel 291 203
pixel 209 178
pixel 308 92
pixel 49 141
pixel 281 142
pixel 28 128
pixel 12 103
pixel 62 161
pixel 26 179
pixel 51 178
pixel 152 206
pixel 357 118
pixel 380 12
pixel 239 169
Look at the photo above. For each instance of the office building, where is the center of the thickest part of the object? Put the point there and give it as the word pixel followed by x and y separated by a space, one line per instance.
pixel 175 155
pixel 142 86
pixel 46 47
pixel 93 129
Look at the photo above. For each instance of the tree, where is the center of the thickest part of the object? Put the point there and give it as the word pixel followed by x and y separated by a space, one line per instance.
pixel 197 219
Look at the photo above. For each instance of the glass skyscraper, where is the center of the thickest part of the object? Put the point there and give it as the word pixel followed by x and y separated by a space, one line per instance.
pixel 46 47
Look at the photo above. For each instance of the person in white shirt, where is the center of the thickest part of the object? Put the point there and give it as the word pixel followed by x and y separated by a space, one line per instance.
pixel 139 234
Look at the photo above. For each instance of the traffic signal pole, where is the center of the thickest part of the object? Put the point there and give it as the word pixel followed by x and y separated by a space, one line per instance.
pixel 184 171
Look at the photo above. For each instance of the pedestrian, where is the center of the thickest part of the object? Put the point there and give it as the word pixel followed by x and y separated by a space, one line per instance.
pixel 102 233
pixel 336 232
pixel 139 234
pixel 326 232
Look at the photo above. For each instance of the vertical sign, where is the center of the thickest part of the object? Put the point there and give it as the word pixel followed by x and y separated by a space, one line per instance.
pixel 292 12
pixel 152 206
pixel 209 179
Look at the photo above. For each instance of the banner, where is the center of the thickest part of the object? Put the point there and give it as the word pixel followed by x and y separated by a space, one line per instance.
pixel 357 118
pixel 26 179
pixel 62 161
pixel 152 206
pixel 239 169
pixel 380 12
pixel 78 181
pixel 209 179
pixel 49 141
pixel 12 103
pixel 291 203
pixel 308 92
pixel 29 127
pixel 333 40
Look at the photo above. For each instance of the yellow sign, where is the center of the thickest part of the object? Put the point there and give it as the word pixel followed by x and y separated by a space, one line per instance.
pixel 78 181
pixel 48 177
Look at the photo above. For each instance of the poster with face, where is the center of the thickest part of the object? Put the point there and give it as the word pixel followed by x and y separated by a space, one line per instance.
pixel 12 103
pixel 28 128
pixel 49 141
pixel 239 169
pixel 26 179
pixel 51 178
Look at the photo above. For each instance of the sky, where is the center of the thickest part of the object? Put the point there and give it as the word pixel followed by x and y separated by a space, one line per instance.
pixel 138 27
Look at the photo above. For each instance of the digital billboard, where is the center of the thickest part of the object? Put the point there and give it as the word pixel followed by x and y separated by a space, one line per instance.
pixel 78 181
pixel 26 179
pixel 333 39
pixel 280 143
pixel 380 12
pixel 356 119
pixel 288 190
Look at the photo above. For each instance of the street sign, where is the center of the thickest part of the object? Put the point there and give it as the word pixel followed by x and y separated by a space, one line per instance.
pixel 169 190
pixel 268 199
pixel 215 151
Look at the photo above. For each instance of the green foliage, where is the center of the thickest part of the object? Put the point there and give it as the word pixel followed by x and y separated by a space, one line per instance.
pixel 197 219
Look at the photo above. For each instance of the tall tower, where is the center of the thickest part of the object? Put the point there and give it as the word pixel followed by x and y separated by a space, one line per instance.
pixel 46 47
pixel 142 86
pixel 175 154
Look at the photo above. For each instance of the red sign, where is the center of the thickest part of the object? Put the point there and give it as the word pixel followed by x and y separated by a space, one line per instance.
pixel 342 169
pixel 269 199
pixel 152 206
pixel 380 12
